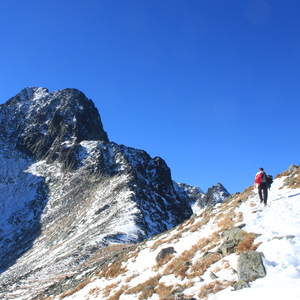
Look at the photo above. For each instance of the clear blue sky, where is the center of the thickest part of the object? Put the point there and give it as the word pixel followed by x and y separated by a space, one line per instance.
pixel 211 86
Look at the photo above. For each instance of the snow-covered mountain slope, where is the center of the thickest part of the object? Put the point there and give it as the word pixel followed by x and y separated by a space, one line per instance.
pixel 67 191
pixel 201 263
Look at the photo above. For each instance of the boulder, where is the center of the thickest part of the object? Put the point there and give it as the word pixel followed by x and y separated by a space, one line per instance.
pixel 164 253
pixel 250 266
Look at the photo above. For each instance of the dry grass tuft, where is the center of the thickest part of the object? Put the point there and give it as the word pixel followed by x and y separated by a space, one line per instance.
pixel 147 288
pixel 162 262
pixel 199 268
pixel 95 291
pixel 294 182
pixel 219 216
pixel 246 243
pixel 117 294
pixel 227 222
pixel 177 267
pixel 239 217
pixel 109 287
pixel 255 246
pixel 199 225
pixel 214 240
pixel 76 289
pixel 113 269
pixel 180 264
pixel 285 173
pixel 162 241
pixel 224 265
pixel 163 290
pixel 213 288
pixel 157 244
pixel 128 279
pixel 190 221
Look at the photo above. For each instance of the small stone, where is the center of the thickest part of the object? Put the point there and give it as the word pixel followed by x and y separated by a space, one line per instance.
pixel 164 253
pixel 241 284
pixel 213 275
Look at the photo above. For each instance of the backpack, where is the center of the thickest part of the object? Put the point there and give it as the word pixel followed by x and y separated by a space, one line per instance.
pixel 269 180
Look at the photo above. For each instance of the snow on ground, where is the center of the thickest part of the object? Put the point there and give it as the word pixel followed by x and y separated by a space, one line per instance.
pixel 279 226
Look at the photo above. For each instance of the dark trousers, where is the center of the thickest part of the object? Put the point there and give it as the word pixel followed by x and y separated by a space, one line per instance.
pixel 263 192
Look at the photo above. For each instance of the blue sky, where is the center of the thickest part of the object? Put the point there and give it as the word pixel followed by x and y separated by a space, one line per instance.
pixel 211 86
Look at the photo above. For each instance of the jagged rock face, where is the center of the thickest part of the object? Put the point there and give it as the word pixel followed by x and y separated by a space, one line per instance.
pixel 198 200
pixel 49 125
pixel 214 195
pixel 195 195
pixel 66 191
pixel 194 192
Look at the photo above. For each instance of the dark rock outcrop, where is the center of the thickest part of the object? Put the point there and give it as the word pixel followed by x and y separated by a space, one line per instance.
pixel 194 192
pixel 164 253
pixel 215 194
pixel 199 200
pixel 51 125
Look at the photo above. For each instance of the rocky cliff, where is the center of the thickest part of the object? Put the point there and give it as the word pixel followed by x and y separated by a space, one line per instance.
pixel 67 191
pixel 200 200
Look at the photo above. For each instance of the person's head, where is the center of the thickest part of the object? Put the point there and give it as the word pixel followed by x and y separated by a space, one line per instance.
pixel 261 169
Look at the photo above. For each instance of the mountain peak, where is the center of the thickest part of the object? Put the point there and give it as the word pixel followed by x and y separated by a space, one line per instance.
pixel 27 94
pixel 214 195
pixel 67 192
pixel 31 93
pixel 39 122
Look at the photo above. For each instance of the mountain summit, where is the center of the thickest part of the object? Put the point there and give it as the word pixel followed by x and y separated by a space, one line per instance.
pixel 42 124
pixel 67 191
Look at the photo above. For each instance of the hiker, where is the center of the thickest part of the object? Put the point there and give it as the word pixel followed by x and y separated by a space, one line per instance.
pixel 262 185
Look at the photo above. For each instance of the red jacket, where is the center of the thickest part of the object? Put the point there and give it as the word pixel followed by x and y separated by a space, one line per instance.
pixel 258 178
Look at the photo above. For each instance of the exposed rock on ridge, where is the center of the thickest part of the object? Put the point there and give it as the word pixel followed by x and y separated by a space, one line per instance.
pixel 214 195
pixel 199 200
pixel 49 125
pixel 66 191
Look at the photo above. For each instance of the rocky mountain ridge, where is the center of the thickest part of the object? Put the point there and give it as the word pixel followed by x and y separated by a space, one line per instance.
pixel 234 250
pixel 199 200
pixel 67 191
